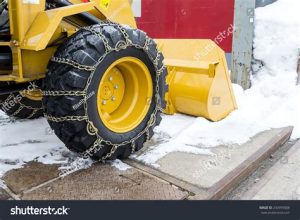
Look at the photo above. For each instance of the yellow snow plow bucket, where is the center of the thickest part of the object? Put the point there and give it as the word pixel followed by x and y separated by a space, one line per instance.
pixel 198 79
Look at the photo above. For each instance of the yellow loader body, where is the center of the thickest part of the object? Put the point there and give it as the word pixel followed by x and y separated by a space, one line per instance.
pixel 198 78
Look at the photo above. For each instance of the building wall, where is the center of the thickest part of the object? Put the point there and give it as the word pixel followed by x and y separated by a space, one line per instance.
pixel 203 19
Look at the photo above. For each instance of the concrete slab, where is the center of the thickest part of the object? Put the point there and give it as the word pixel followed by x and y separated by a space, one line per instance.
pixel 31 175
pixel 214 174
pixel 282 181
pixel 104 182
pixel 4 195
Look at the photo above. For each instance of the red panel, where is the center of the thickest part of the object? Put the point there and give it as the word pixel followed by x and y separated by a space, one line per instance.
pixel 188 19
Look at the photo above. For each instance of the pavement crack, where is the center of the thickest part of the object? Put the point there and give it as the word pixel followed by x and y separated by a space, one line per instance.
pixel 128 178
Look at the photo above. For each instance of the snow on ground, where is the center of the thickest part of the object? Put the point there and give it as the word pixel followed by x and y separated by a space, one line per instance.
pixel 27 140
pixel 75 164
pixel 22 141
pixel 2 184
pixel 272 102
pixel 120 165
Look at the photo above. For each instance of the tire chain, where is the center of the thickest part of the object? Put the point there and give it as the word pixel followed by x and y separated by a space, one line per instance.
pixel 64 93
pixel 121 45
pixel 21 107
pixel 73 64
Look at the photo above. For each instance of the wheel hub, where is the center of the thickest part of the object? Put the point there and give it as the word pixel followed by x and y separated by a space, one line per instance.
pixel 112 91
pixel 124 93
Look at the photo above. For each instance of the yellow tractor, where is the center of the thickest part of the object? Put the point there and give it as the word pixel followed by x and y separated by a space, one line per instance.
pixel 102 83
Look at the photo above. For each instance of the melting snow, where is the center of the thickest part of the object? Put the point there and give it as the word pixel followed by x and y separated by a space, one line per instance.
pixel 120 165
pixel 27 140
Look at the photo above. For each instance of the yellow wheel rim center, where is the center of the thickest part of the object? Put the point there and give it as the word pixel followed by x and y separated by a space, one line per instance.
pixel 124 94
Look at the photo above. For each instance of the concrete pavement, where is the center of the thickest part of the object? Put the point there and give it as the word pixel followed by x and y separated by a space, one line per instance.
pixel 180 175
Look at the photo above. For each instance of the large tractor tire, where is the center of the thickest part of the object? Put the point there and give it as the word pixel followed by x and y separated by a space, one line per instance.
pixel 22 105
pixel 104 91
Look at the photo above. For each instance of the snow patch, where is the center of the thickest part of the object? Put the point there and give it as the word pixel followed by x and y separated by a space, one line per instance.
pixel 28 140
pixel 2 184
pixel 78 163
pixel 120 165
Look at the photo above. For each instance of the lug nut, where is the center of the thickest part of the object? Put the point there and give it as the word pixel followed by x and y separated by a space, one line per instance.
pixel 149 101
pixel 116 86
pixel 103 102
pixel 113 98
pixel 110 78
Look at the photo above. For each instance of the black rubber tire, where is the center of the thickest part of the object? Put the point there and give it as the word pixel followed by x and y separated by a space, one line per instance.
pixel 4 26
pixel 19 106
pixel 85 48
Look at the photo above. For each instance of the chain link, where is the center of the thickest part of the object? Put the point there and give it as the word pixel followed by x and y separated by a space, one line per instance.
pixel 32 114
pixel 64 93
pixel 21 106
pixel 101 36
pixel 18 110
pixel 73 64
pixel 133 147
pixel 29 107
pixel 97 146
pixel 66 118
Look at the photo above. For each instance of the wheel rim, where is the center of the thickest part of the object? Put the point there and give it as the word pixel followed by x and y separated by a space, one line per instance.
pixel 124 94
pixel 35 94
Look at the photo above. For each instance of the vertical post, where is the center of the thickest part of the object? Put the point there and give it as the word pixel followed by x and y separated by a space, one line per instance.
pixel 242 42
pixel 298 68
pixel 136 6
pixel 242 50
